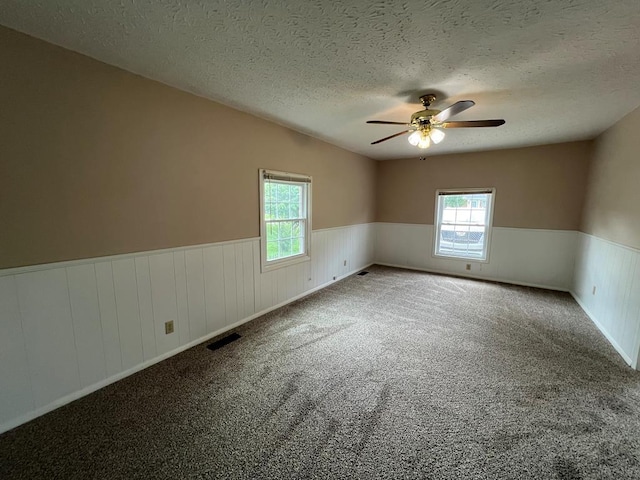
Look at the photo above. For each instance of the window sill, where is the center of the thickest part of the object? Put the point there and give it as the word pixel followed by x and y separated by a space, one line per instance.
pixel 462 259
pixel 285 262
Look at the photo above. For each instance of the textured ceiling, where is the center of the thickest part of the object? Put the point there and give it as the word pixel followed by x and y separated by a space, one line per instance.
pixel 556 70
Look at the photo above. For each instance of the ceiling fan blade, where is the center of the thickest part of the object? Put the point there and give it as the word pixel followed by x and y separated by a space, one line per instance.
pixel 454 109
pixel 383 122
pixel 473 123
pixel 390 137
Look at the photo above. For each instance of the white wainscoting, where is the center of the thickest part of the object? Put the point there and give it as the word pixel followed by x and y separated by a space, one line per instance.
pixel 71 328
pixel 614 271
pixel 539 258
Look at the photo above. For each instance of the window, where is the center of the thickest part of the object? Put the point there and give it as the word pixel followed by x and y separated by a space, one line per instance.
pixel 285 218
pixel 463 223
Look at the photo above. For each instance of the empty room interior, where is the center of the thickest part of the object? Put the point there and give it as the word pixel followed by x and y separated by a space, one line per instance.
pixel 319 239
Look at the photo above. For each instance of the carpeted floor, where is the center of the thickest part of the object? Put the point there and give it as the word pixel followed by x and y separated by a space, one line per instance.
pixel 391 375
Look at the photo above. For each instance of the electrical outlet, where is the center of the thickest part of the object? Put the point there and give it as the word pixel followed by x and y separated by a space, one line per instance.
pixel 168 327
pixel 593 292
pixel 345 263
pixel 468 267
pixel 334 278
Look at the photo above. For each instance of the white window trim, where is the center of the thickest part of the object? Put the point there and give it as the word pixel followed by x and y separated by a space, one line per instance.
pixel 266 266
pixel 488 227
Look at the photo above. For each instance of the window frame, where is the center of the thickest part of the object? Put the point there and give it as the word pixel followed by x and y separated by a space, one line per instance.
pixel 291 178
pixel 488 223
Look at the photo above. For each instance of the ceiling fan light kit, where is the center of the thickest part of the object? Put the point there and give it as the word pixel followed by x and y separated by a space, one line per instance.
pixel 423 137
pixel 425 125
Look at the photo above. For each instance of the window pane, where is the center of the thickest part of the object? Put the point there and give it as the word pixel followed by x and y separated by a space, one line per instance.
pixel 285 248
pixel 295 193
pixel 282 210
pixel 453 201
pixel 283 192
pixel 285 230
pixel 272 232
pixel 294 210
pixel 296 245
pixel 268 194
pixel 272 250
pixel 462 241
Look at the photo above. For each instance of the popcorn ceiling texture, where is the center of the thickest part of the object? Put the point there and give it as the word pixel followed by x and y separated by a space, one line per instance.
pixel 555 70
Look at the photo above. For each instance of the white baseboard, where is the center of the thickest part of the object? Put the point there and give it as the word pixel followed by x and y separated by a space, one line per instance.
pixel 607 335
pixel 475 277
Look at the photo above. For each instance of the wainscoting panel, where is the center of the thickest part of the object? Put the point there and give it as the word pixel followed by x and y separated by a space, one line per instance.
pixel 318 258
pixel 164 300
pixel 128 312
pixel 143 281
pixel 197 315
pixel 180 270
pixel 48 333
pixel 214 284
pixel 542 258
pixel 534 257
pixel 71 328
pixel 16 395
pixel 85 310
pixel 607 286
pixel 248 265
pixel 108 318
pixel 230 283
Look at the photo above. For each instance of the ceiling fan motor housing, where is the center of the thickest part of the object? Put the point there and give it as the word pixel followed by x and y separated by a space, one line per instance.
pixel 422 117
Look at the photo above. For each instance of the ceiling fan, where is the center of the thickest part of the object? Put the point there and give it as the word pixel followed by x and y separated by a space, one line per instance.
pixel 425 125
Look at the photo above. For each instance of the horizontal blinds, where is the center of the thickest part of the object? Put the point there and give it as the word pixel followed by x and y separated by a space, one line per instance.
pixel 464 192
pixel 286 177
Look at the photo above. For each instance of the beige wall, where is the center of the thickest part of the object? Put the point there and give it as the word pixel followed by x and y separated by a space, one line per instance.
pixel 536 187
pixel 612 208
pixel 98 161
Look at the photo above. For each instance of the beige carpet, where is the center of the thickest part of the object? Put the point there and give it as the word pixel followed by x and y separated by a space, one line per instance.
pixel 391 375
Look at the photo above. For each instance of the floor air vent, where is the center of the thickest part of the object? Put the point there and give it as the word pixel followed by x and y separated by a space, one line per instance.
pixel 364 272
pixel 223 341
